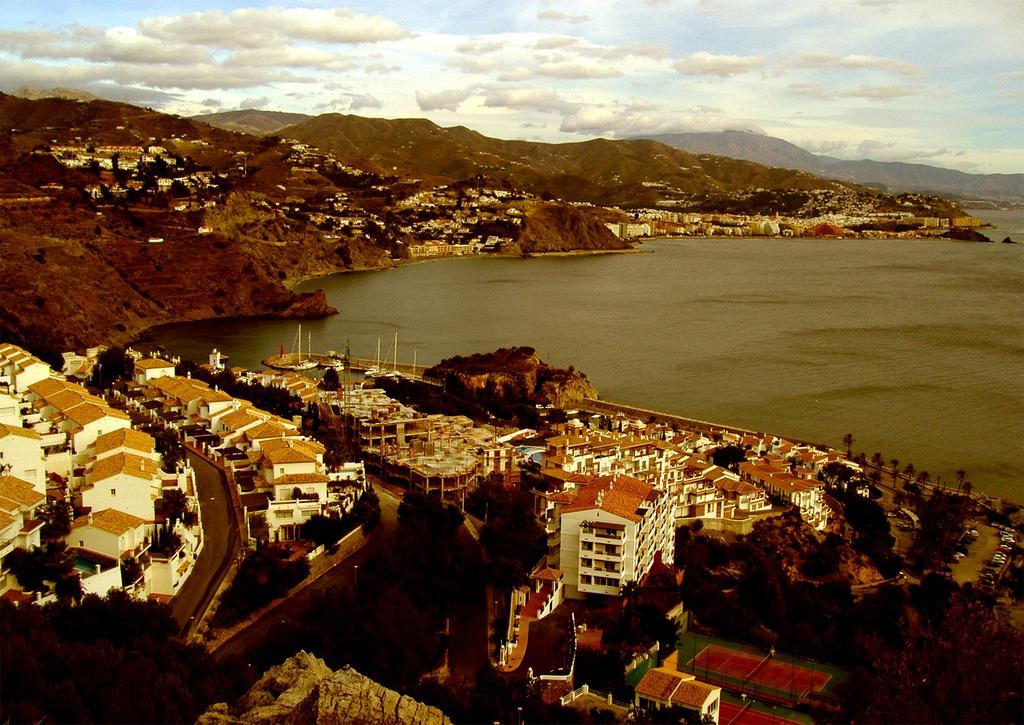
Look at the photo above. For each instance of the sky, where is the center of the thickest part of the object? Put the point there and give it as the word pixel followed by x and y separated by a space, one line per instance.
pixel 926 81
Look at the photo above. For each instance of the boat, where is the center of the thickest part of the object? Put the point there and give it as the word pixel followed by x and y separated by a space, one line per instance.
pixel 300 364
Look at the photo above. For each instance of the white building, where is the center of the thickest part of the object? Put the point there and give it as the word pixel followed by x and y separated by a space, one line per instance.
pixel 21 455
pixel 19 369
pixel 610 530
pixel 122 481
pixel 151 368
pixel 20 525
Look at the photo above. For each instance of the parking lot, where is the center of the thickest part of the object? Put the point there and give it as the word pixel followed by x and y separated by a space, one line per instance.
pixel 979 554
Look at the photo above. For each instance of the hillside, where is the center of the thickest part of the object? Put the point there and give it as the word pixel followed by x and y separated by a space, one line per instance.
pixel 889 175
pixel 116 218
pixel 252 121
pixel 599 171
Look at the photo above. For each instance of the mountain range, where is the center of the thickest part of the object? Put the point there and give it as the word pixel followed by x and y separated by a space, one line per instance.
pixel 885 175
pixel 890 176
pixel 599 171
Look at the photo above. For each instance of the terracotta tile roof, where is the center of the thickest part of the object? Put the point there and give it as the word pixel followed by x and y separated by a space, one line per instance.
pixel 692 693
pixel 19 355
pixel 238 419
pixel 276 456
pixel 86 413
pixel 112 521
pixel 153 363
pixel 658 684
pixel 618 495
pixel 5 519
pixel 300 478
pixel 20 491
pixel 17 430
pixel 124 438
pixel 291 450
pixel 49 386
pixel 548 574
pixel 127 463
pixel 268 430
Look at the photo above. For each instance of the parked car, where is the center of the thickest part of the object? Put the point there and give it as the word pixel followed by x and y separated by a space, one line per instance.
pixel 957 556
pixel 1005 547
pixel 973 533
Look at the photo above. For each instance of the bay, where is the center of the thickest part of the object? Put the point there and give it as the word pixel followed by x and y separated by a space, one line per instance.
pixel 916 347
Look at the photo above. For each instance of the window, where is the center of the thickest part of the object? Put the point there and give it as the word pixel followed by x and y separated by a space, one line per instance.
pixel 113 492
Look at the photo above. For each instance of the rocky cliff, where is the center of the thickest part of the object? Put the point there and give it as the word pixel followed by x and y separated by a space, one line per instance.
pixel 515 375
pixel 555 227
pixel 303 689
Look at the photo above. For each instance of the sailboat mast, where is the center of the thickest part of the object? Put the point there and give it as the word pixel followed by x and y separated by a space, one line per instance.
pixel 396 351
pixel 300 342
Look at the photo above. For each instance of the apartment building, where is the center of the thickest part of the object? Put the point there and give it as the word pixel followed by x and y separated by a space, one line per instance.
pixel 610 530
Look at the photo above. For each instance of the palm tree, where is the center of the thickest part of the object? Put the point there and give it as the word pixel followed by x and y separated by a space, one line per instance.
pixel 895 469
pixel 961 476
pixel 876 460
pixel 909 471
pixel 968 488
pixel 848 442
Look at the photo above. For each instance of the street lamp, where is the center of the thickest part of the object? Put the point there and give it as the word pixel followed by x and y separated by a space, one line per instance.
pixel 355 582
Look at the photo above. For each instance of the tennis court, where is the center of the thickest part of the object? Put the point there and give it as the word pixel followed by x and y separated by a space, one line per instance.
pixel 734 711
pixel 780 678
pixel 778 675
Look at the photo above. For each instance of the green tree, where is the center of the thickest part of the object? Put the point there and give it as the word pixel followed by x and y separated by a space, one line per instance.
pixel 848 441
pixel 968 668
pixel 168 444
pixel 174 505
pixel 57 515
pixel 112 365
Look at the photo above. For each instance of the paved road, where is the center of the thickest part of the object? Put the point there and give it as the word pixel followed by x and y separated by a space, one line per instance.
pixel 220 533
pixel 292 608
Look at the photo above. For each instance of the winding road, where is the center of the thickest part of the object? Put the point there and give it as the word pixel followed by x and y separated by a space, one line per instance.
pixel 221 545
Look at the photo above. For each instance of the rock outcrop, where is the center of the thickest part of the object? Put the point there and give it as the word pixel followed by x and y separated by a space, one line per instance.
pixel 557 227
pixel 516 375
pixel 303 689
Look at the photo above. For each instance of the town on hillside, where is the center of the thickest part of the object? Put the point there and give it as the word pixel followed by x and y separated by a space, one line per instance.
pixel 639 565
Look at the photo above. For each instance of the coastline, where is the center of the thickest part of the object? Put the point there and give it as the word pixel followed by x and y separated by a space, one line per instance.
pixel 292 282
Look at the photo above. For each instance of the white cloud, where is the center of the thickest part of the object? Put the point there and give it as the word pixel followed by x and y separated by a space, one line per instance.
pixel 443 100
pixel 536 99
pixel 570 70
pixel 382 69
pixel 513 75
pixel 290 57
pixel 473 65
pixel 362 101
pixel 857 62
pixel 882 93
pixel 1015 75
pixel 258 27
pixel 479 47
pixel 810 90
pixel 261 102
pixel 560 17
pixel 116 45
pixel 709 64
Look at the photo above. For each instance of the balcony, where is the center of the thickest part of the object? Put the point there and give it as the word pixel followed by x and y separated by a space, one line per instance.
pixel 592 535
